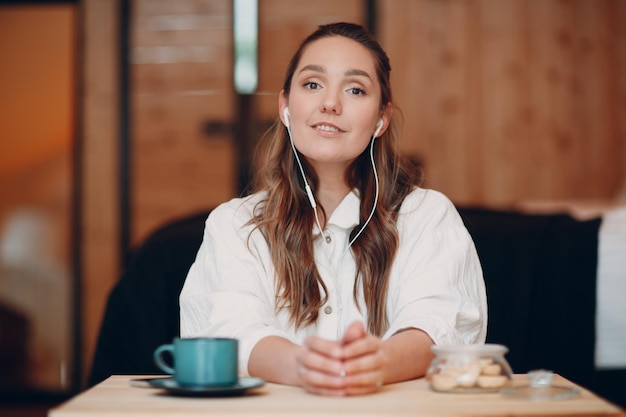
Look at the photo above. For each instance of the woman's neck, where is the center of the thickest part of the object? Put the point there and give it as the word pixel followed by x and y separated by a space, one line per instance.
pixel 332 190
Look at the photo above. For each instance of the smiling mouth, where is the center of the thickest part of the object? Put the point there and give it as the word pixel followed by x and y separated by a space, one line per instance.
pixel 327 128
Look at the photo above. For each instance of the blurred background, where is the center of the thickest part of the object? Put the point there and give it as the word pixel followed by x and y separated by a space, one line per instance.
pixel 120 115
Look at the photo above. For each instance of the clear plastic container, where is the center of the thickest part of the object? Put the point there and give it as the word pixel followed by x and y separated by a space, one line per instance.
pixel 540 388
pixel 469 368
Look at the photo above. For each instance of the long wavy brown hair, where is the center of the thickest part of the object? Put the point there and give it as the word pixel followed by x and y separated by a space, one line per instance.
pixel 287 221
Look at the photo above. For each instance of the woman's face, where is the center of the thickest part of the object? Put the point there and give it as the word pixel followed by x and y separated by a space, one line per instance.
pixel 334 103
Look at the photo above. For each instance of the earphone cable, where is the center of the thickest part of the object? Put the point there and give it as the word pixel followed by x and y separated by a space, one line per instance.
pixel 307 187
pixel 375 197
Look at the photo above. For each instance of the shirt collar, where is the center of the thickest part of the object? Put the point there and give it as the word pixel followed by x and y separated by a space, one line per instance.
pixel 346 215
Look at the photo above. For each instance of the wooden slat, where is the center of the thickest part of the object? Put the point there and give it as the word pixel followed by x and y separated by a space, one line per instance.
pixel 99 165
pixel 502 33
pixel 600 69
pixel 550 67
pixel 455 160
pixel 410 44
pixel 620 109
pixel 159 8
pixel 474 87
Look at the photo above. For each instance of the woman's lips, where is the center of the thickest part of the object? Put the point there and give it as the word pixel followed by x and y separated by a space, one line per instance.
pixel 327 128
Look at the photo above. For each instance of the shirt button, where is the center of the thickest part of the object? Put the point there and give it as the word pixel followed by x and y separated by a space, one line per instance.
pixel 328 239
pixel 328 309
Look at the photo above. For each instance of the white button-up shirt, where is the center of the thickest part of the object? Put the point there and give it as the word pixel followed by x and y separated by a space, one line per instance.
pixel 436 281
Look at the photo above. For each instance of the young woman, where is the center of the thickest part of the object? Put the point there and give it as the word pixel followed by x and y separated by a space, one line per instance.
pixel 339 272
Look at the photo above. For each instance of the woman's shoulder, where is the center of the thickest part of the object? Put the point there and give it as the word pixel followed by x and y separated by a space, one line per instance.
pixel 424 200
pixel 427 213
pixel 424 208
pixel 237 211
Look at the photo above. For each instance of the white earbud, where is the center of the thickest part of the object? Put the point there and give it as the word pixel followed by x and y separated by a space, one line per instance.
pixel 379 127
pixel 286 116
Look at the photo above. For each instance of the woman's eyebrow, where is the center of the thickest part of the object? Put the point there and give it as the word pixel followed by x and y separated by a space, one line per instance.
pixel 311 67
pixel 358 72
pixel 350 72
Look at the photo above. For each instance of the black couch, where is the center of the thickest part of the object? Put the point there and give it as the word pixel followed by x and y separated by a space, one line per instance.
pixel 540 274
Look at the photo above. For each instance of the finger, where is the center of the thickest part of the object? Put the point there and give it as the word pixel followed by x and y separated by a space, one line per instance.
pixel 364 382
pixel 320 382
pixel 355 331
pixel 366 369
pixel 315 360
pixel 329 348
pixel 375 362
pixel 361 347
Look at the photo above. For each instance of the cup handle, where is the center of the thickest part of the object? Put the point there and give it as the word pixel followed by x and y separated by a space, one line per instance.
pixel 158 358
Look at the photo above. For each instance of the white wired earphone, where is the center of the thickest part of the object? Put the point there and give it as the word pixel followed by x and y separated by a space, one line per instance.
pixel 307 187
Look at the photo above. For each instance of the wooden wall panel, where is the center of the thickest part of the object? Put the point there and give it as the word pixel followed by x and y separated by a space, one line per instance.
pixel 599 93
pixel 99 170
pixel 181 80
pixel 436 86
pixel 551 68
pixel 621 112
pixel 504 135
pixel 511 100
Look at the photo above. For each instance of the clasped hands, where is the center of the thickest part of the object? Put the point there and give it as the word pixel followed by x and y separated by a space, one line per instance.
pixel 353 365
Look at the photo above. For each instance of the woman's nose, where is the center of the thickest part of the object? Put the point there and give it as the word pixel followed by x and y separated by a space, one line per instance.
pixel 331 103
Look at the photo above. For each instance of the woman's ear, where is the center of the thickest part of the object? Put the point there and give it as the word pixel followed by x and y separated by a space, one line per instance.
pixel 379 127
pixel 385 117
pixel 283 109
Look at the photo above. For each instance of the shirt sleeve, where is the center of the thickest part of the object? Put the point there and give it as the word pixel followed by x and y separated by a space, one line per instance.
pixel 438 285
pixel 229 290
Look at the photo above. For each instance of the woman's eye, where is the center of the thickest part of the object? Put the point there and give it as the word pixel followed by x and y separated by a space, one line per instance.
pixel 356 91
pixel 311 85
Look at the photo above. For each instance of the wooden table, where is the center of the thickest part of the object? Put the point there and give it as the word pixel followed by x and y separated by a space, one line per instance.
pixel 115 397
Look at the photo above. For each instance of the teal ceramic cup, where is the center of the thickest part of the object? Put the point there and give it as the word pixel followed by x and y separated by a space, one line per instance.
pixel 203 361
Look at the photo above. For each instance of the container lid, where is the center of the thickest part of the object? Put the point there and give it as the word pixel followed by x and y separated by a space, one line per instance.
pixel 540 388
pixel 475 349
